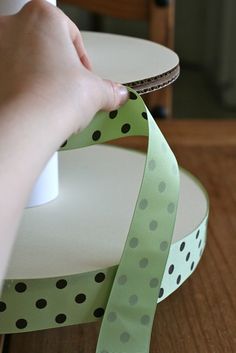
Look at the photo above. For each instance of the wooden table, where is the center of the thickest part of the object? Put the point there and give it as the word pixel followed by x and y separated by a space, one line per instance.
pixel 201 316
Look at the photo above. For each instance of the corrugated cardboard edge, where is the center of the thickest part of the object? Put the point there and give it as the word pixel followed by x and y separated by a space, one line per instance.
pixel 155 83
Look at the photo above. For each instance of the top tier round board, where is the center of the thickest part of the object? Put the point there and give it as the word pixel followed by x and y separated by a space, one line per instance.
pixel 141 64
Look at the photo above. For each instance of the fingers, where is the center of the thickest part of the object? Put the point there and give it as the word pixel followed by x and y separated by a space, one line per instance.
pixel 113 95
pixel 79 44
pixel 108 95
pixel 52 13
pixel 77 40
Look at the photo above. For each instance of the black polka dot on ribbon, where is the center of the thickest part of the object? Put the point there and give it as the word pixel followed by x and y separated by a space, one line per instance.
pixel 60 318
pixel 178 279
pixel 125 128
pixel 64 144
pixel 197 235
pixel 144 115
pixel 132 96
pixel 99 312
pixel 41 303
pixel 3 307
pixel 171 269
pixel 100 277
pixel 96 135
pixel 187 256
pixel 21 324
pixel 182 246
pixel 20 287
pixel 161 292
pixel 61 283
pixel 113 114
pixel 80 298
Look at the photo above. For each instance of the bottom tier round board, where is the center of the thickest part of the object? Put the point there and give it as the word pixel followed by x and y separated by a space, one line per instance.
pixel 67 251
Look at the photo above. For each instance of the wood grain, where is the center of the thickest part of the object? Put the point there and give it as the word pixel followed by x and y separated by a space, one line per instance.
pixel 131 10
pixel 1 343
pixel 161 30
pixel 201 316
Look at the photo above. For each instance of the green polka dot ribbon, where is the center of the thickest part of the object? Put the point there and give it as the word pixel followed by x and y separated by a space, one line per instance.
pixel 127 322
pixel 130 291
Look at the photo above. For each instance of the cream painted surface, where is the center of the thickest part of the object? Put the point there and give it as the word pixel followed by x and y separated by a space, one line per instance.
pixel 126 59
pixel 85 228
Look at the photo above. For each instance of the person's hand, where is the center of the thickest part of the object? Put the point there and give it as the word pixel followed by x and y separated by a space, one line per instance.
pixel 47 92
pixel 43 60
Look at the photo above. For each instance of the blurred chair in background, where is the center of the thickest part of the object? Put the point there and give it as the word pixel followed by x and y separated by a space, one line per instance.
pixel 159 15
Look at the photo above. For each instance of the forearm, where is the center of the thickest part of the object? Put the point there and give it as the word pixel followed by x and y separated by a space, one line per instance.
pixel 29 135
pixel 47 92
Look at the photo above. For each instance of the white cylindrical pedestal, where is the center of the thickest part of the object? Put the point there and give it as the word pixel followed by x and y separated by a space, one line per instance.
pixel 9 7
pixel 46 188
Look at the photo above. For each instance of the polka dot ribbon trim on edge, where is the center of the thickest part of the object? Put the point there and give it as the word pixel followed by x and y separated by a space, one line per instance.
pixel 136 284
pixel 127 322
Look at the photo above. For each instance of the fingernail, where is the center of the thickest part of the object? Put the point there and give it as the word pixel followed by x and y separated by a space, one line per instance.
pixel 123 93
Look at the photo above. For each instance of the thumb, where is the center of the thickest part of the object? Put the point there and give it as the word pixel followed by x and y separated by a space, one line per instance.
pixel 113 95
